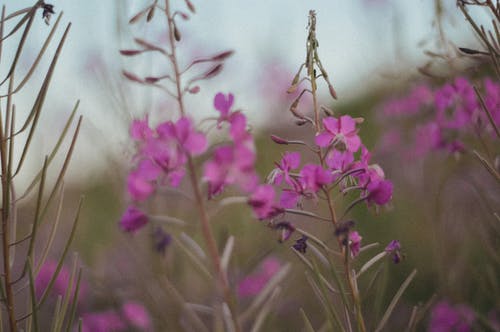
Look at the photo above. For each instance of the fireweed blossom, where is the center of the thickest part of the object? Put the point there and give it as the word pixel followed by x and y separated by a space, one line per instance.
pixel 253 283
pixel 393 249
pixel 448 318
pixel 61 283
pixel 354 243
pixel 162 154
pixel 133 219
pixel 234 163
pixel 342 130
pixel 444 117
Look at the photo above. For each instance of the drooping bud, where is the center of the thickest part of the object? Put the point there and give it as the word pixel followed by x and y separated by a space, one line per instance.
pixel 279 140
pixel 214 71
pixel 130 52
pixel 132 77
pixel 190 6
pixel 222 56
pixel 151 13
pixel 194 90
pixel 147 45
pixel 177 34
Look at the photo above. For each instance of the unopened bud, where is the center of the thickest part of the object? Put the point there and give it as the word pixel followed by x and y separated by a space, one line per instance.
pixel 214 71
pixel 130 52
pixel 194 90
pixel 132 77
pixel 333 93
pixel 190 6
pixel 177 34
pixel 279 140
pixel 222 56
pixel 151 13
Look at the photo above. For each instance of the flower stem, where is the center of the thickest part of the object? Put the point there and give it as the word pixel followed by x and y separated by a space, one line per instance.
pixel 200 202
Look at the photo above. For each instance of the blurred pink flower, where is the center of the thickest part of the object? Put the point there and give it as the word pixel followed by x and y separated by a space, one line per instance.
pixel 448 318
pixel 136 315
pixel 263 203
pixel 61 283
pixel 133 219
pixel 106 321
pixel 354 243
pixel 253 284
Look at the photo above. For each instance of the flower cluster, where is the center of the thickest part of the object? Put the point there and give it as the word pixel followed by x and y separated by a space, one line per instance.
pixel 445 116
pixel 161 158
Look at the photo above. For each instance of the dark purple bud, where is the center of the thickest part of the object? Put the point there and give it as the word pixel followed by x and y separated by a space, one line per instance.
pixel 48 10
pixel 301 244
pixel 344 227
pixel 177 34
pixel 151 13
pixel 214 71
pixel 394 249
pixel 161 240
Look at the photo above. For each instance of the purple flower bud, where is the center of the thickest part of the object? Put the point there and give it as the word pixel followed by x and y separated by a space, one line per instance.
pixel 301 244
pixel 133 219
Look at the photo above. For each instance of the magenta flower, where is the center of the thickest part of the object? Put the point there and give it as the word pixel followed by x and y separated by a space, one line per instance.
pixel 379 192
pixel 231 164
pixel 136 315
pixel 342 130
pixel 339 161
pixel 354 243
pixel 290 161
pixel 188 139
pixel 139 129
pixel 253 284
pixel 133 219
pixel 223 104
pixel 61 283
pixel 448 318
pixel 313 177
pixel 262 202
pixel 106 321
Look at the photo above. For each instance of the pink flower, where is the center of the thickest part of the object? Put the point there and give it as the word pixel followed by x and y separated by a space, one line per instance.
pixel 231 164
pixel 339 161
pixel 379 192
pixel 133 219
pixel 106 321
pixel 262 202
pixel 290 161
pixel 223 104
pixel 188 139
pixel 139 129
pixel 354 243
pixel 313 177
pixel 253 284
pixel 342 130
pixel 61 283
pixel 447 318
pixel 136 315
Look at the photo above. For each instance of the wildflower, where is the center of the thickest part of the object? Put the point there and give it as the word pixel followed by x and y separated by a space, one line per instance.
pixel 133 219
pixel 136 315
pixel 140 182
pixel 354 243
pixel 188 139
pixel 104 321
pixel 139 129
pixel 393 248
pixel 313 177
pixel 301 244
pixel 262 202
pixel 253 284
pixel 223 104
pixel 61 284
pixel 290 161
pixel 339 161
pixel 230 164
pixel 446 318
pixel 379 192
pixel 339 130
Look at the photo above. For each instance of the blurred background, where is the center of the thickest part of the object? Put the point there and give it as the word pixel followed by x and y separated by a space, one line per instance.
pixel 374 50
